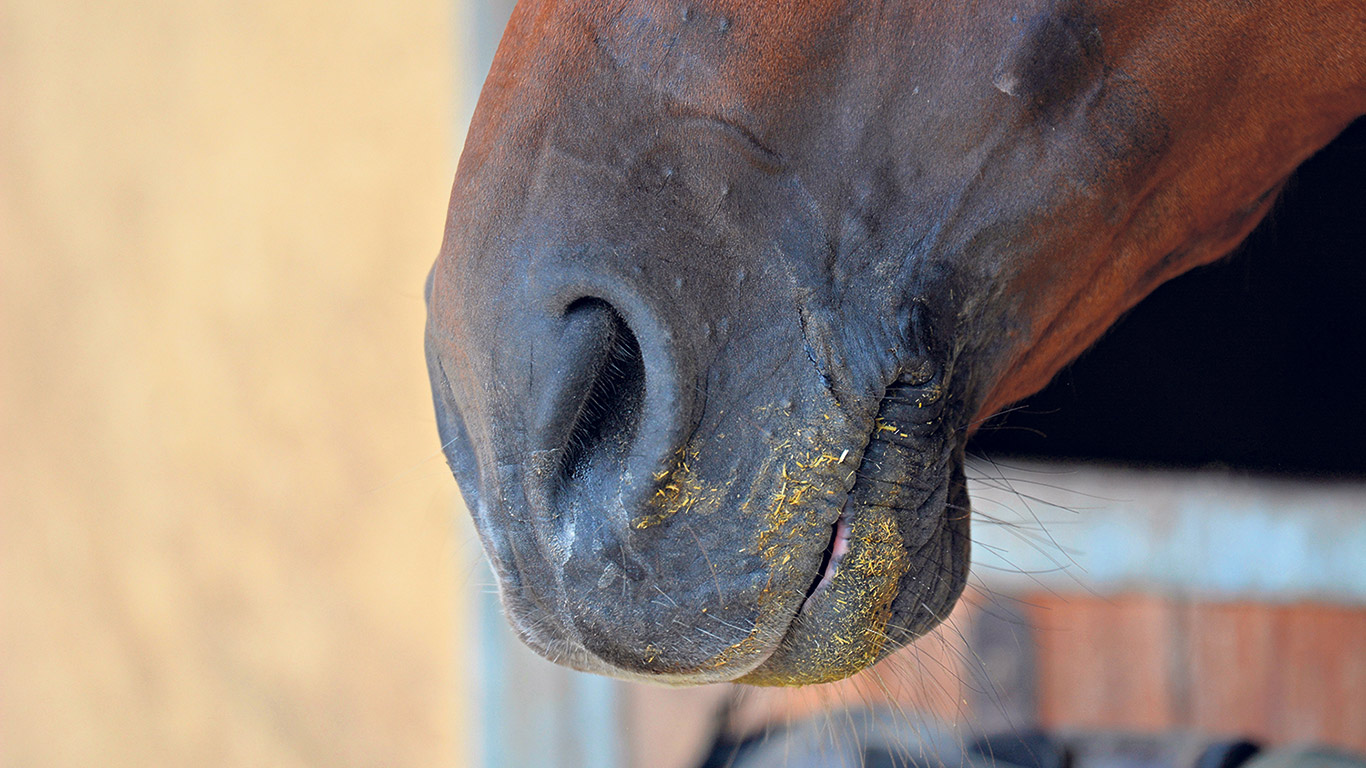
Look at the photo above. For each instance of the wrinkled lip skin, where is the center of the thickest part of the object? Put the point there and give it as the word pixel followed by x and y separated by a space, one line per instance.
pixel 889 576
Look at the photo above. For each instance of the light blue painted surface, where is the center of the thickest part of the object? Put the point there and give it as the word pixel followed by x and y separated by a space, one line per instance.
pixel 479 27
pixel 490 674
pixel 1199 534
pixel 594 722
pixel 530 712
pixel 534 713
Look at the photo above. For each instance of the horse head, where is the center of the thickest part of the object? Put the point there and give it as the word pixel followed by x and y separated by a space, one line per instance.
pixel 727 285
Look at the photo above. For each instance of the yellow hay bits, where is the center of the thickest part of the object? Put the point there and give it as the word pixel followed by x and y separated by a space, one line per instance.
pixel 789 502
pixel 682 491
pixel 860 597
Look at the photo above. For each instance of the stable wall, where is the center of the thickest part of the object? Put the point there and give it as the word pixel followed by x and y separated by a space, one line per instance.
pixel 225 529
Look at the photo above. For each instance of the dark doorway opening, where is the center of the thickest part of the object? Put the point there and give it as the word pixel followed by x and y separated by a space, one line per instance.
pixel 1256 363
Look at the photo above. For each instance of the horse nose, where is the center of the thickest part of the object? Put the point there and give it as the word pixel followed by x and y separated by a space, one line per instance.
pixel 589 407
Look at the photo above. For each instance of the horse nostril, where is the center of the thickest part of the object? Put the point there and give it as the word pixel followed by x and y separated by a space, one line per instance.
pixel 589 411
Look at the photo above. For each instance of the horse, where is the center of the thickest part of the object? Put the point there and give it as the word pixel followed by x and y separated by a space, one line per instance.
pixel 726 286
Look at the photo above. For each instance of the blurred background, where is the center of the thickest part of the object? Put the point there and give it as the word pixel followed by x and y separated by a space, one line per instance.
pixel 227 536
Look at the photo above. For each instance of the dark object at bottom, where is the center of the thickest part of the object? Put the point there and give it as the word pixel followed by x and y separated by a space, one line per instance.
pixel 862 738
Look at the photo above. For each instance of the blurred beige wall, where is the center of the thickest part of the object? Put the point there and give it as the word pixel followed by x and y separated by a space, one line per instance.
pixel 225 532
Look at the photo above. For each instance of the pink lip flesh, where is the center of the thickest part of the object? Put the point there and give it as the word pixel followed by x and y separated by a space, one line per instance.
pixel 839 545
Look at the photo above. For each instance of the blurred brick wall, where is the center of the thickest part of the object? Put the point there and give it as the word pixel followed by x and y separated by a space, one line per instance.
pixel 225 531
pixel 1281 674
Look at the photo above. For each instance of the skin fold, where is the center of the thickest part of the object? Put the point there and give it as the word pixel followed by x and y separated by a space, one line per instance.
pixel 725 287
